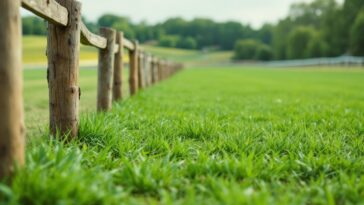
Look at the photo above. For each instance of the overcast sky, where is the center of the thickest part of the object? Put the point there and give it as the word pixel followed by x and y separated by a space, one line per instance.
pixel 254 12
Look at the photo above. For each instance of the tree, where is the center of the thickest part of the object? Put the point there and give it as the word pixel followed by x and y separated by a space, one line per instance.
pixel 280 36
pixel 125 28
pixel 298 41
pixel 246 49
pixel 316 47
pixel 108 20
pixel 263 53
pixel 265 34
pixel 33 26
pixel 169 41
pixel 187 43
pixel 229 33
pixel 357 36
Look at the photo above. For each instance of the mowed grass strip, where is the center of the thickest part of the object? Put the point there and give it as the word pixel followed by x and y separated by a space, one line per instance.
pixel 211 136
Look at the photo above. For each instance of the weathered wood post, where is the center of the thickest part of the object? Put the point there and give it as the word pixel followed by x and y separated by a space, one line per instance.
pixel 153 66
pixel 147 72
pixel 133 69
pixel 163 70
pixel 159 70
pixel 118 68
pixel 105 71
pixel 63 72
pixel 140 70
pixel 11 89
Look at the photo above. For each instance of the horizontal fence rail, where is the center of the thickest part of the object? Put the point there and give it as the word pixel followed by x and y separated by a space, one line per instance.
pixel 90 39
pixel 66 32
pixel 49 10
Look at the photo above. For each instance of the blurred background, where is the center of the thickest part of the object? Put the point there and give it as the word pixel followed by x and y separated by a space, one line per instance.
pixel 221 32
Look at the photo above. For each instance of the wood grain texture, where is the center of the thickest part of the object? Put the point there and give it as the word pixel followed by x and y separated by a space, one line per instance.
pixel 141 65
pixel 154 71
pixel 118 68
pixel 49 10
pixel 133 69
pixel 128 44
pixel 147 70
pixel 116 48
pixel 105 71
pixel 91 39
pixel 11 101
pixel 63 52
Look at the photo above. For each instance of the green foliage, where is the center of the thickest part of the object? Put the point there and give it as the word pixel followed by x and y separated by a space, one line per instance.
pixel 187 43
pixel 357 35
pixel 252 50
pixel 108 20
pixel 228 136
pixel 33 26
pixel 331 21
pixel 125 27
pixel 246 49
pixel 169 41
pixel 316 47
pixel 298 42
pixel 264 53
pixel 280 36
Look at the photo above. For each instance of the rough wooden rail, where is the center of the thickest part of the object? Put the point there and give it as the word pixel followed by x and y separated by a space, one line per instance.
pixel 49 10
pixel 66 32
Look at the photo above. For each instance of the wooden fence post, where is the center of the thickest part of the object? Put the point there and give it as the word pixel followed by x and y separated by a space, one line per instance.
pixel 105 71
pixel 152 70
pixel 159 70
pixel 118 69
pixel 147 71
pixel 11 89
pixel 153 79
pixel 140 70
pixel 133 69
pixel 63 71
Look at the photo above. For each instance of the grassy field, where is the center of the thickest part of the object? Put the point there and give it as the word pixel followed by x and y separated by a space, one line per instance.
pixel 34 51
pixel 34 54
pixel 205 136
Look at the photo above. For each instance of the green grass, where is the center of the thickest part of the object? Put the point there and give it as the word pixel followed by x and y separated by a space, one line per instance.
pixel 34 51
pixel 36 97
pixel 208 136
pixel 191 57
pixel 34 54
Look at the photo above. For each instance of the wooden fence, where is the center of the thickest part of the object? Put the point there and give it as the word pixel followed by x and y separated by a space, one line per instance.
pixel 66 32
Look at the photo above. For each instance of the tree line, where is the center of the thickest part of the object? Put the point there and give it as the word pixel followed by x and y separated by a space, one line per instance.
pixel 322 28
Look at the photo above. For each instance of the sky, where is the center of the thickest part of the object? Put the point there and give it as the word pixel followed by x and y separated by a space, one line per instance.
pixel 253 12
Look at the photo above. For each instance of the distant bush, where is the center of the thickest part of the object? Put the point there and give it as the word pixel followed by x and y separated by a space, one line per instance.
pixel 252 50
pixel 264 53
pixel 169 41
pixel 246 49
pixel 187 43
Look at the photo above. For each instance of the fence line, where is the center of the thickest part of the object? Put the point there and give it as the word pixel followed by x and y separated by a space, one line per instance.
pixel 340 61
pixel 66 32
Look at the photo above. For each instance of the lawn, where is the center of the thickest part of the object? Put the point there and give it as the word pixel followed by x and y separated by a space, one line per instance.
pixel 205 136
pixel 34 54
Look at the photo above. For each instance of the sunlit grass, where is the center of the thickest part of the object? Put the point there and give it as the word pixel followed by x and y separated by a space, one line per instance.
pixel 210 136
pixel 34 53
pixel 35 47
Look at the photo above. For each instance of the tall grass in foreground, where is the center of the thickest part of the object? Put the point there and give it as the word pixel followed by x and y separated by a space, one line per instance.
pixel 211 136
